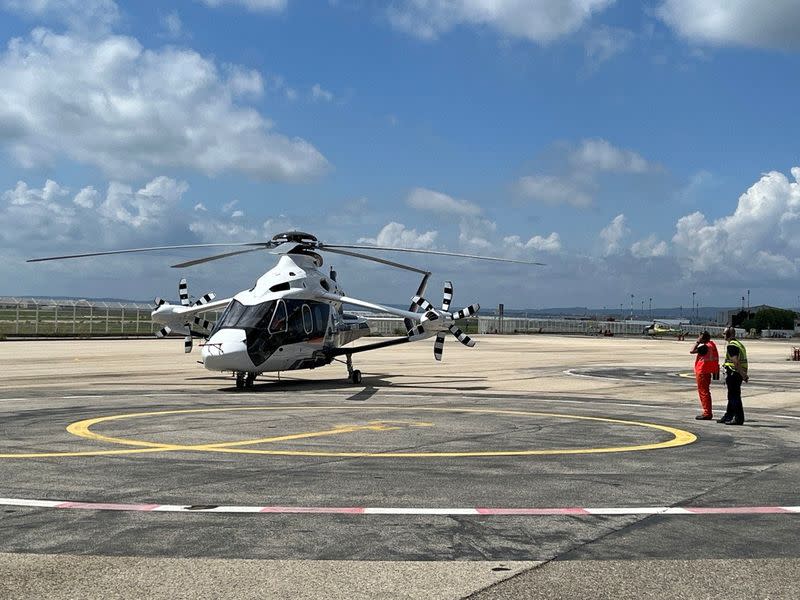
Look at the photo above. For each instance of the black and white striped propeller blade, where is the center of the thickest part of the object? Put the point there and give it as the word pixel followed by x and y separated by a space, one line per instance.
pixel 461 336
pixel 159 301
pixel 203 323
pixel 447 298
pixel 420 302
pixel 466 312
pixel 205 299
pixel 183 292
pixel 438 346
pixel 163 332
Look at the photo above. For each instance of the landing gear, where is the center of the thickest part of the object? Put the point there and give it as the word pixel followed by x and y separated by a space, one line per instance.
pixel 353 374
pixel 244 380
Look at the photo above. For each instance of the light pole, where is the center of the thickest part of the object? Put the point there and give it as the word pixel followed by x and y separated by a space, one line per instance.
pixel 693 293
pixel 650 309
pixel 643 309
pixel 631 306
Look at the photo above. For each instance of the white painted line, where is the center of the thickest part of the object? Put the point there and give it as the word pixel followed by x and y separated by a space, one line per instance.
pixel 420 511
pixel 646 510
pixel 24 502
pixel 674 510
pixel 486 511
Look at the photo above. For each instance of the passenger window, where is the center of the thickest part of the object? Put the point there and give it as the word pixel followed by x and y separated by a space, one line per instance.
pixel 278 324
pixel 308 320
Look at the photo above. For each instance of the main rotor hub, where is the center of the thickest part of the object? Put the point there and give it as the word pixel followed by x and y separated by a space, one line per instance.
pixel 298 237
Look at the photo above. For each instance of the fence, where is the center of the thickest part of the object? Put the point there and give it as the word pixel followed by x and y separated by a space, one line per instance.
pixel 38 317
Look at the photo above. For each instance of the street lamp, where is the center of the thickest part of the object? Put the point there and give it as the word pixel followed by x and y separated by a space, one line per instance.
pixel 650 310
pixel 693 311
pixel 631 306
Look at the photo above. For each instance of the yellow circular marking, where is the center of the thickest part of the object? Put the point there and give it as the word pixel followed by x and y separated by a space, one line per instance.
pixel 83 429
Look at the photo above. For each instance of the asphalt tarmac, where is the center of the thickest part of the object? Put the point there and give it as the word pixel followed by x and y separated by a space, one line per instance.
pixel 529 467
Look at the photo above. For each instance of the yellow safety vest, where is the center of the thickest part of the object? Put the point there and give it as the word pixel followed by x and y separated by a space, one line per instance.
pixel 742 355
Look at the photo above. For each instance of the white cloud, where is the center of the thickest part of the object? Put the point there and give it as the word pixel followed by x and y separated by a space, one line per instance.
pixel 113 104
pixel 550 189
pixel 442 204
pixel 540 21
pixel 760 239
pixel 252 5
pixel 584 163
pixel 218 230
pixel 551 243
pixel 87 197
pixel 475 233
pixel 87 16
pixel 767 24
pixel 604 43
pixel 649 247
pixel 597 155
pixel 396 234
pixel 145 207
pixel 172 24
pixel 200 207
pixel 318 93
pixel 45 218
pixel 613 234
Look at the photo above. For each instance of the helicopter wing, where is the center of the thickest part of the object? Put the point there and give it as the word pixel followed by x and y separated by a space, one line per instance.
pixel 259 246
pixel 372 306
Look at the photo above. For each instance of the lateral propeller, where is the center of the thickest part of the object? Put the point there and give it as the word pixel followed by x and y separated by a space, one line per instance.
pixel 186 328
pixel 442 320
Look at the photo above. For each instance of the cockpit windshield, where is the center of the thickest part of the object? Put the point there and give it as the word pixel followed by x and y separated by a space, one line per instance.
pixel 275 323
pixel 239 316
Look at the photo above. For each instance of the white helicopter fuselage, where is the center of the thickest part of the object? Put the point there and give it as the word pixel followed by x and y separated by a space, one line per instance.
pixel 284 322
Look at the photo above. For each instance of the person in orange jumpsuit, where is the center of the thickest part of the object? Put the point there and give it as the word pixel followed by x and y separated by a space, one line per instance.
pixel 706 366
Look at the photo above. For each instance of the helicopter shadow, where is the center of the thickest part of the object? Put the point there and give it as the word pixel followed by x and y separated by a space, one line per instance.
pixel 370 385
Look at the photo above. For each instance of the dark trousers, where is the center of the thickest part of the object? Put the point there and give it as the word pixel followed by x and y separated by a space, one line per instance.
pixel 734 410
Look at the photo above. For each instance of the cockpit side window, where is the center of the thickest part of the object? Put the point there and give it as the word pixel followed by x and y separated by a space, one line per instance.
pixel 308 320
pixel 279 322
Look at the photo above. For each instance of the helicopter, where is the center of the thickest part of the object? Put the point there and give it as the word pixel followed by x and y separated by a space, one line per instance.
pixel 659 329
pixel 293 317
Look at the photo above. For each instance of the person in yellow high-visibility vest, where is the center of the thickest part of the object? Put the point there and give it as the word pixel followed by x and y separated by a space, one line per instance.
pixel 735 373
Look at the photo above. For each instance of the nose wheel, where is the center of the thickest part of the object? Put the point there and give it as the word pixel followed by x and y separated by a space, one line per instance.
pixel 244 380
pixel 353 374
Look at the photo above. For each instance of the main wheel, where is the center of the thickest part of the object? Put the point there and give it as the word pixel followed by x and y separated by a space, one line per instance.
pixel 356 376
pixel 239 381
pixel 248 381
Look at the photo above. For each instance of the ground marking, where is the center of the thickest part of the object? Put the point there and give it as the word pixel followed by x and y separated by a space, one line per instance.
pixel 407 511
pixel 82 429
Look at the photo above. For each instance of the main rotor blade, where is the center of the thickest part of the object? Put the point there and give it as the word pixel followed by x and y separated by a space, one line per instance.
pixel 200 261
pixel 383 261
pixel 152 249
pixel 329 248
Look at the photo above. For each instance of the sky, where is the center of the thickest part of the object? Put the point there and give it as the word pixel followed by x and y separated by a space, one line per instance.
pixel 646 152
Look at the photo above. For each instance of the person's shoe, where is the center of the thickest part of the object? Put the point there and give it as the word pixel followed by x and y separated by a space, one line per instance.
pixel 732 422
pixel 725 420
pixel 704 417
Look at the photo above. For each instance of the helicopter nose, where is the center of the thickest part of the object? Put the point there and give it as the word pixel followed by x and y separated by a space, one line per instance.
pixel 226 350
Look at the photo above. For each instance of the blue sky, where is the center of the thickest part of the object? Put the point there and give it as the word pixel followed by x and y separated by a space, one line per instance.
pixel 635 148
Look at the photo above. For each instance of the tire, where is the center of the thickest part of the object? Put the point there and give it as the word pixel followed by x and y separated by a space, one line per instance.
pixel 239 381
pixel 356 377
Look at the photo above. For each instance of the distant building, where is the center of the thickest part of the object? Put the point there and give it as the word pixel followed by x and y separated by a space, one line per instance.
pixel 725 317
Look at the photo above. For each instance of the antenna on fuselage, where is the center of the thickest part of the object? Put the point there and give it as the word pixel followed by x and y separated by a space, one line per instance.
pixel 333 274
